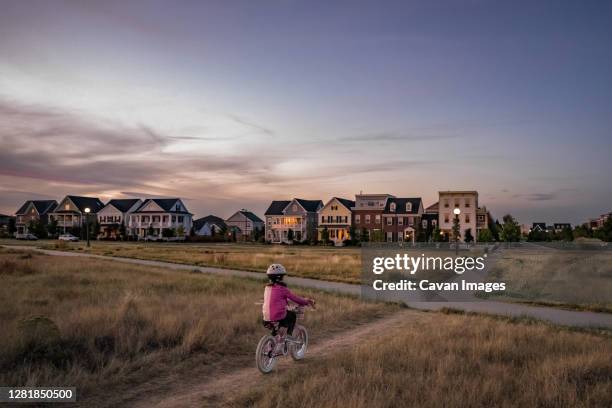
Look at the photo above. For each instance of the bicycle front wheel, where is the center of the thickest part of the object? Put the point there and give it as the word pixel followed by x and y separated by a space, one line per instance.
pixel 298 350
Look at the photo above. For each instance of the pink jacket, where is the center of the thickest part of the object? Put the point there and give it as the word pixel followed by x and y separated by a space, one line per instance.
pixel 275 302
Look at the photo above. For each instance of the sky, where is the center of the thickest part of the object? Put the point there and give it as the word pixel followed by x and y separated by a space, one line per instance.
pixel 232 104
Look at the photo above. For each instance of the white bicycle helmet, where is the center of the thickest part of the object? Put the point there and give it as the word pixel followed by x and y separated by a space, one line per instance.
pixel 276 269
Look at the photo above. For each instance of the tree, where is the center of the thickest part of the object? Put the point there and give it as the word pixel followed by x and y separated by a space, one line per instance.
pixel 537 235
pixel 510 231
pixel 353 234
pixel 456 229
pixel 436 235
pixel 52 227
pixel 180 231
pixel 605 231
pixel 122 231
pixel 468 235
pixel 325 236
pixel 364 236
pixel 495 227
pixel 150 231
pixel 566 234
pixel 582 231
pixel 37 228
pixel 168 233
pixel 290 235
pixel 12 226
pixel 377 236
pixel 485 235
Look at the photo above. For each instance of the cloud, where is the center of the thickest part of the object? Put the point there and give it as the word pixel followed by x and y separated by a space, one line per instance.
pixel 542 196
pixel 393 137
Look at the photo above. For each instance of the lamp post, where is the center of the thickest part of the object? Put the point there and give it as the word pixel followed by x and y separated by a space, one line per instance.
pixel 87 211
pixel 457 211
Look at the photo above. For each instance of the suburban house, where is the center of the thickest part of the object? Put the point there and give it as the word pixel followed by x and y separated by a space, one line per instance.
pixel 467 203
pixel 482 220
pixel 114 215
pixel 596 223
pixel 245 223
pixel 71 213
pixel 429 220
pixel 539 227
pixel 558 227
pixel 368 212
pixel 159 217
pixel 292 220
pixel 401 218
pixel 33 210
pixel 209 226
pixel 336 217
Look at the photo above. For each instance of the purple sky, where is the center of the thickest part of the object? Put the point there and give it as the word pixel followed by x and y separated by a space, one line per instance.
pixel 231 104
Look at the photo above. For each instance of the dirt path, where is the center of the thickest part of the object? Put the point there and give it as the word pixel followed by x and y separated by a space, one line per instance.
pixel 225 386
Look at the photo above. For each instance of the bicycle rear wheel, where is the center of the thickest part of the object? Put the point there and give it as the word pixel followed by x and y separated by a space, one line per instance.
pixel 264 356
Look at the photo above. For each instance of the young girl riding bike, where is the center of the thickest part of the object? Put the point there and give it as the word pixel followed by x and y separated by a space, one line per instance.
pixel 276 295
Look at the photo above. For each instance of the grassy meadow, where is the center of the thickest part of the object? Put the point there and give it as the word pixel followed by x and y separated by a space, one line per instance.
pixel 558 278
pixel 103 325
pixel 327 263
pixel 453 360
pixel 576 279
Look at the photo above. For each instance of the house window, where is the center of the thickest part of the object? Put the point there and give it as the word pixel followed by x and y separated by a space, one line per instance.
pixel 392 207
pixel 378 219
pixel 389 221
pixel 173 218
pixel 294 207
pixel 424 223
pixel 400 221
pixel 181 218
pixel 410 221
pixel 345 219
pixel 408 207
pixel 32 211
pixel 357 219
pixel 446 218
pixel 467 203
pixel 389 237
pixel 467 218
pixel 367 218
pixel 400 238
pixel 457 203
pixel 67 207
pixel 322 218
pixel 445 203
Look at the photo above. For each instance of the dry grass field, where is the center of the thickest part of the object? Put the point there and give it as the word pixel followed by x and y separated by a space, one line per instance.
pixel 103 325
pixel 578 279
pixel 438 360
pixel 327 263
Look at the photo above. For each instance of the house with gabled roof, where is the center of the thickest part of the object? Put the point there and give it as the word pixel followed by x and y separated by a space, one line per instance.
pixel 335 220
pixel 401 218
pixel 209 226
pixel 292 220
pixel 245 222
pixel 33 210
pixel 155 215
pixel 113 217
pixel 71 214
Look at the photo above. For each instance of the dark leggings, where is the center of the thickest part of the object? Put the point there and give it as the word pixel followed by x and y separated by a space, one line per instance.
pixel 288 321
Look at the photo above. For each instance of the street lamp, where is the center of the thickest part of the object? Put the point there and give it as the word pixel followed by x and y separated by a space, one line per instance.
pixel 457 211
pixel 87 211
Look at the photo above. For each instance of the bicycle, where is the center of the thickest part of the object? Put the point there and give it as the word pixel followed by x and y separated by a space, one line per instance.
pixel 276 344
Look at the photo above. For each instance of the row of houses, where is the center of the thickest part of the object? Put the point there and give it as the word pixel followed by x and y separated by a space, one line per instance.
pixel 396 219
pixel 151 218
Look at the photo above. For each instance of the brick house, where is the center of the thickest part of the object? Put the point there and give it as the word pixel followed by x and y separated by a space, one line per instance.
pixel 367 214
pixel 401 218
